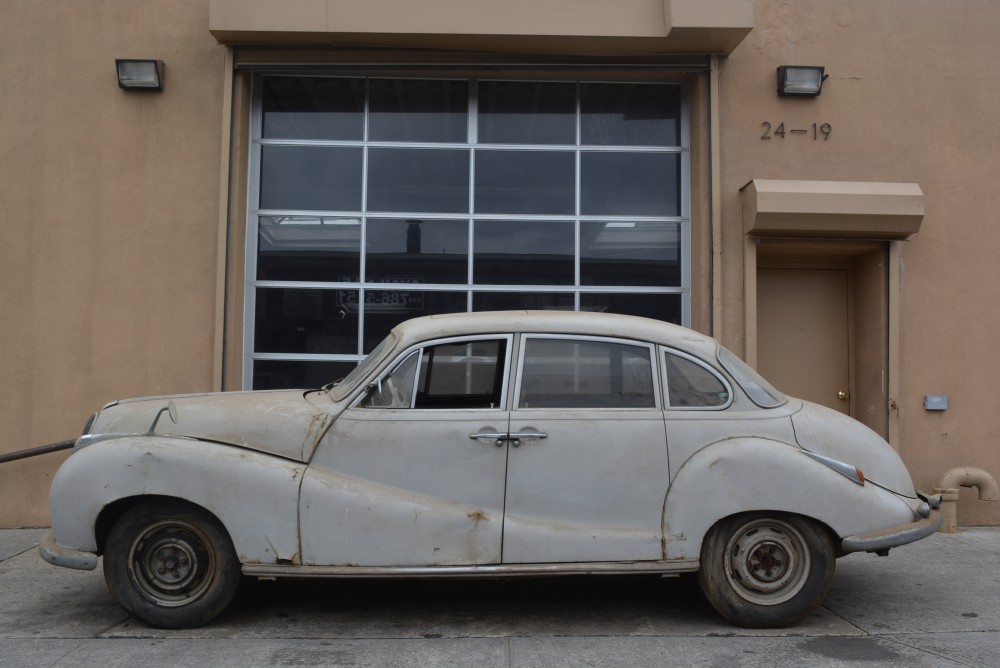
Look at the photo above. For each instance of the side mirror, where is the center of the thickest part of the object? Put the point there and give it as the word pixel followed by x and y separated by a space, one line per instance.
pixel 171 410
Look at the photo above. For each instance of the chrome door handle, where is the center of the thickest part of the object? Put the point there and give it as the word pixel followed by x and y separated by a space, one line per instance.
pixel 499 438
pixel 515 439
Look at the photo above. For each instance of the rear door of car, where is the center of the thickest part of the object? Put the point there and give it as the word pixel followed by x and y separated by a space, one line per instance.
pixel 587 470
pixel 412 474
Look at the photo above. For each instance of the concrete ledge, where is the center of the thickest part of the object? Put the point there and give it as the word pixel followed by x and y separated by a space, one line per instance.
pixel 838 209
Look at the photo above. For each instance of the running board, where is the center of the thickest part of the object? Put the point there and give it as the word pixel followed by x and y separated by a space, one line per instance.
pixel 497 570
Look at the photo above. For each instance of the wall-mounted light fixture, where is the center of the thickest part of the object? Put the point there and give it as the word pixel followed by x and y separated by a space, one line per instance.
pixel 140 74
pixel 800 81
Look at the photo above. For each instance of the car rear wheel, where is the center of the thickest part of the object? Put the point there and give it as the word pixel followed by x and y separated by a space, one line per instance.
pixel 171 564
pixel 766 570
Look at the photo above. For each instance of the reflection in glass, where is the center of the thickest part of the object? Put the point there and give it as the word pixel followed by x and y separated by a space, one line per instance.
pixel 318 178
pixel 309 248
pixel 527 112
pixel 624 253
pixel 418 179
pixel 658 307
pixel 300 320
pixel 418 111
pixel 523 252
pixel 435 251
pixel 570 373
pixel 384 309
pixel 525 182
pixel 629 184
pixel 297 374
pixel 630 114
pixel 517 301
pixel 323 108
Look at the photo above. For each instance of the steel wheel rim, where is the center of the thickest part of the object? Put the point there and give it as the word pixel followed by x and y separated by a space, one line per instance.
pixel 767 561
pixel 171 563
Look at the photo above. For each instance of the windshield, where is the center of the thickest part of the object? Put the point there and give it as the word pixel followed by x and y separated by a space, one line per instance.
pixel 341 389
pixel 759 390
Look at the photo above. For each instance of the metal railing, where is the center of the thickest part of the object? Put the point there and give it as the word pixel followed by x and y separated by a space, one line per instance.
pixel 34 452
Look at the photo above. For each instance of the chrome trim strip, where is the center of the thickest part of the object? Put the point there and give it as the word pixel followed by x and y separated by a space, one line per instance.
pixel 495 570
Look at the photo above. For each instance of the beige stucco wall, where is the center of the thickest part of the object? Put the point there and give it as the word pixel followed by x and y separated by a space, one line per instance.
pixel 912 97
pixel 111 200
pixel 109 206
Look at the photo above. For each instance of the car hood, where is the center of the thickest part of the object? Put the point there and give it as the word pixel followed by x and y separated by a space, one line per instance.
pixel 827 432
pixel 287 423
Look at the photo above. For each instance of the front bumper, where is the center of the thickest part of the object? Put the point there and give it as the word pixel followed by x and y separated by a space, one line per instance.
pixel 57 555
pixel 880 541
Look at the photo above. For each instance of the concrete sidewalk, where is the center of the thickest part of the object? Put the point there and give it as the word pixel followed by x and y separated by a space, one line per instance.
pixel 934 603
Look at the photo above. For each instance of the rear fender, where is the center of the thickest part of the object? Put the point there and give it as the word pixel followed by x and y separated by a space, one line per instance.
pixel 748 474
pixel 254 495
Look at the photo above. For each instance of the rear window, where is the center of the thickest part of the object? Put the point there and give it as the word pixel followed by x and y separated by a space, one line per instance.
pixel 759 390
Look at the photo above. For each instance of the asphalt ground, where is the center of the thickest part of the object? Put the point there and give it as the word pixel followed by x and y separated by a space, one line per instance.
pixel 934 603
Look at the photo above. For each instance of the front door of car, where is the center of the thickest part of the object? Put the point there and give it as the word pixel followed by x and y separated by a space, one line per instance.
pixel 401 478
pixel 587 470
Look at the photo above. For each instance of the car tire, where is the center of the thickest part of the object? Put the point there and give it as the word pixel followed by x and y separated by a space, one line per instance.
pixel 171 564
pixel 766 570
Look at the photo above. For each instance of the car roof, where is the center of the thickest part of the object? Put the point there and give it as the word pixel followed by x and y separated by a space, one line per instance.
pixel 576 323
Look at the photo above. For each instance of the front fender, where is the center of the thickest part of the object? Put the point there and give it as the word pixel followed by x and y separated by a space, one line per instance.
pixel 747 474
pixel 254 495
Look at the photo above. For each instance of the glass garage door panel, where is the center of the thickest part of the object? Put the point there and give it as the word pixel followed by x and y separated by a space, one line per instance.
pixel 308 248
pixel 418 179
pixel 323 108
pixel 416 249
pixel 322 178
pixel 516 252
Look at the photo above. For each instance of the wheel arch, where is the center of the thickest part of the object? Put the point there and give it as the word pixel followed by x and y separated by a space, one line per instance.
pixel 253 495
pixel 112 512
pixel 741 475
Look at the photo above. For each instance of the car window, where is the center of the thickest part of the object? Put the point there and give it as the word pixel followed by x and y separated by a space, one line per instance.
pixel 455 374
pixel 396 389
pixel 691 385
pixel 342 388
pixel 571 373
pixel 759 390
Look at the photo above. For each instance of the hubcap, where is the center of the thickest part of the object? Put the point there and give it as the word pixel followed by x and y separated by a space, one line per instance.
pixel 767 561
pixel 171 563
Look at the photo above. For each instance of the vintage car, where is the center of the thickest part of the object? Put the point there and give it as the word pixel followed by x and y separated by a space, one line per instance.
pixel 487 444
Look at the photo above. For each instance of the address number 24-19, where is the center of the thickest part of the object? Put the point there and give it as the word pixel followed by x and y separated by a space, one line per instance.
pixel 816 130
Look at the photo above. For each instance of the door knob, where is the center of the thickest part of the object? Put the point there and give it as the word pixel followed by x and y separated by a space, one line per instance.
pixel 843 395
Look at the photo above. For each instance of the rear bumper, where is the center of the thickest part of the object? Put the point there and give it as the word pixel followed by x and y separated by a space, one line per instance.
pixel 877 541
pixel 57 555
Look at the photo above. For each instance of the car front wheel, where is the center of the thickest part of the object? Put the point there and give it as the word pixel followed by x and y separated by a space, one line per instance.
pixel 171 564
pixel 766 570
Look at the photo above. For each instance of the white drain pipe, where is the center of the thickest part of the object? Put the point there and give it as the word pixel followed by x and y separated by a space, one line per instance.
pixel 948 488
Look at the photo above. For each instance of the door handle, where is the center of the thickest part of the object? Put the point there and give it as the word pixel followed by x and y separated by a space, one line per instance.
pixel 515 439
pixel 499 438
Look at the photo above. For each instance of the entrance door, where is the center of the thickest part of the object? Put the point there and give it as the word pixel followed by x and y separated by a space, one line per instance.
pixel 803 333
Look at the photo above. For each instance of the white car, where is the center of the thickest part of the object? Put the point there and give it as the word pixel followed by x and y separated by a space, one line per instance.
pixel 487 444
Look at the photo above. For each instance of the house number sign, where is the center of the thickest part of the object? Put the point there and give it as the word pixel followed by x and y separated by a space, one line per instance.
pixel 814 131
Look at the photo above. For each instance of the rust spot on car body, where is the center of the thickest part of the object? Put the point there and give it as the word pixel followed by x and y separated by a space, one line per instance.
pixel 478 516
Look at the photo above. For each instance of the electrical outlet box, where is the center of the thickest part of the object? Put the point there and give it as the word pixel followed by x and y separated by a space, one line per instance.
pixel 936 402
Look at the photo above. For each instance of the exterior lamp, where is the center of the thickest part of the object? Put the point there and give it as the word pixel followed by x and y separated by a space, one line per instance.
pixel 800 81
pixel 140 74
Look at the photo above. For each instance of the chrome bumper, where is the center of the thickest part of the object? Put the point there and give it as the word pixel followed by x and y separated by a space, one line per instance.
pixel 878 541
pixel 58 555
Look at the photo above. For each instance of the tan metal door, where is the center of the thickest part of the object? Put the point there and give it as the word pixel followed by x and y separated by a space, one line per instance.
pixel 803 333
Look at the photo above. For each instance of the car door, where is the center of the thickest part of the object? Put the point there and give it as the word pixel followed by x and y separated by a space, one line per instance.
pixel 412 474
pixel 587 469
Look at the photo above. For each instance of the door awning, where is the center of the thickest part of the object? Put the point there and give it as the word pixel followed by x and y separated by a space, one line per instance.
pixel 832 209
